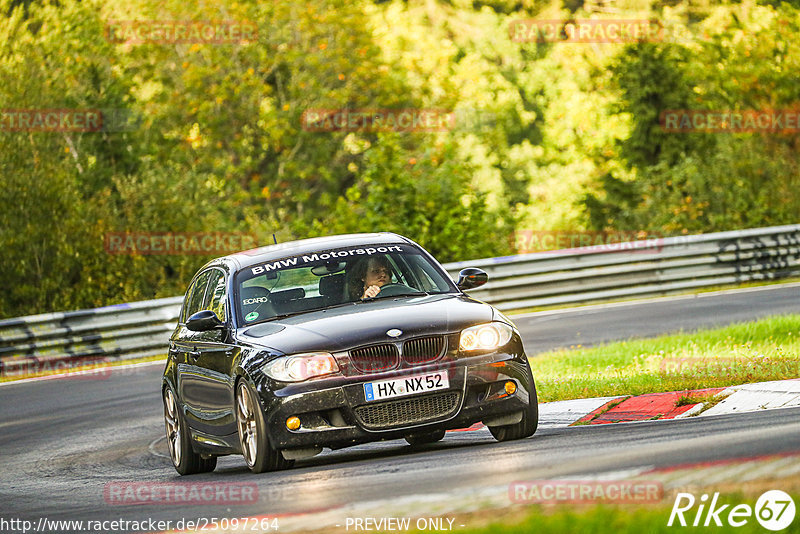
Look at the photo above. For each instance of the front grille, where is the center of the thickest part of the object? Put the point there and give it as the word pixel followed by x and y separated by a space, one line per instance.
pixel 375 358
pixel 423 349
pixel 407 411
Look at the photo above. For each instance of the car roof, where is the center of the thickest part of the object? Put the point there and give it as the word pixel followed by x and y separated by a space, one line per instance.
pixel 259 255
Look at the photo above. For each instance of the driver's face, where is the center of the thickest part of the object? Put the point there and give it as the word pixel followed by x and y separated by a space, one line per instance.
pixel 377 275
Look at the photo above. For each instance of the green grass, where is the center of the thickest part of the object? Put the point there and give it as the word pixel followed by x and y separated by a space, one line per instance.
pixel 767 349
pixel 604 519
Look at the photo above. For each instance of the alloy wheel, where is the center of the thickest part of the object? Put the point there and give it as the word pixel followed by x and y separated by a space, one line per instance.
pixel 173 426
pixel 246 419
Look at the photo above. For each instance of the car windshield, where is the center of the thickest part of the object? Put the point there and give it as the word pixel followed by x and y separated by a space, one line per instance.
pixel 319 280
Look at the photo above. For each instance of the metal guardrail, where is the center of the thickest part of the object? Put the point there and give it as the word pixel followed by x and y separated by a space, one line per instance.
pixel 54 341
pixel 640 268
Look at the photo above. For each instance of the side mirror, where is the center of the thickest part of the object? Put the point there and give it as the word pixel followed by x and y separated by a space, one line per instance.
pixel 471 277
pixel 203 321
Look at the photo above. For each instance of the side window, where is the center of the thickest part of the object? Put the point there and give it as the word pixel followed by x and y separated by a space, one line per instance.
pixel 194 299
pixel 216 289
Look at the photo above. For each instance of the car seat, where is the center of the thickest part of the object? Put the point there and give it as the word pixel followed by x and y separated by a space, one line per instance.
pixel 333 289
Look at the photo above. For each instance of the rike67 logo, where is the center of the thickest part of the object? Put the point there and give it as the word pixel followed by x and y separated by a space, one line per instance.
pixel 774 510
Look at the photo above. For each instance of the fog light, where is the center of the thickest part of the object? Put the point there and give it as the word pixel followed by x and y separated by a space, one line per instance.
pixel 293 423
pixel 511 387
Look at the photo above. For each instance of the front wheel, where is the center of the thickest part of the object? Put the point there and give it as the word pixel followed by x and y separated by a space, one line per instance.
pixel 258 453
pixel 527 426
pixel 185 460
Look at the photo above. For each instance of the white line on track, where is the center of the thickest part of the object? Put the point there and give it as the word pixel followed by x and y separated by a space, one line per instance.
pixel 154 452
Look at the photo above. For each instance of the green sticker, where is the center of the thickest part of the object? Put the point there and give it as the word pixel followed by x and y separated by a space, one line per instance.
pixel 252 316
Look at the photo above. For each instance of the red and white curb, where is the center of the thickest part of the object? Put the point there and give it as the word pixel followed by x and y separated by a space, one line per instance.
pixel 564 413
pixel 657 406
pixel 653 406
pixel 649 407
pixel 758 396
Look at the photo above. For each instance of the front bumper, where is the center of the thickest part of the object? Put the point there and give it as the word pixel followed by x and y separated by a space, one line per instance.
pixel 334 412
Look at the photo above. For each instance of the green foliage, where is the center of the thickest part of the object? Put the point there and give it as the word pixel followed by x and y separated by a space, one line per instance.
pixel 652 80
pixel 701 182
pixel 220 147
pixel 423 195
pixel 547 136
pixel 55 58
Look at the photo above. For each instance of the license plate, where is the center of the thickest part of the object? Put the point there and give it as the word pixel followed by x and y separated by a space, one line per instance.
pixel 410 385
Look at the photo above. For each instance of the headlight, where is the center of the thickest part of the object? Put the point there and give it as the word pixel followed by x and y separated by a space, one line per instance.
pixel 301 366
pixel 487 336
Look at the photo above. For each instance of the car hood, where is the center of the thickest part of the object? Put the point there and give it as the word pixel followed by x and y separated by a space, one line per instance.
pixel 345 327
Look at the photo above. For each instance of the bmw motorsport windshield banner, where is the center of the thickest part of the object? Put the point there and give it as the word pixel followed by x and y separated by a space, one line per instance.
pixel 316 257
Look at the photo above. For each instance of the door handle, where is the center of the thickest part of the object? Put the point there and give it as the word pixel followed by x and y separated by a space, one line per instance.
pixel 194 354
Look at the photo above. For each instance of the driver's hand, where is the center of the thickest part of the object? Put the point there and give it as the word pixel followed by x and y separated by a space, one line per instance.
pixel 371 291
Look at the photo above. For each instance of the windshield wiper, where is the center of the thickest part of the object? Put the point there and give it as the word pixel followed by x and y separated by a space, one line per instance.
pixel 341 304
pixel 288 314
pixel 298 312
pixel 379 296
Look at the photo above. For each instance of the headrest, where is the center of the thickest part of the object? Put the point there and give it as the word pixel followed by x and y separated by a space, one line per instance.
pixel 289 294
pixel 331 285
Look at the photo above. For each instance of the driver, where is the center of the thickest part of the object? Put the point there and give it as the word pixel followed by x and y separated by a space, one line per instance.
pixel 368 276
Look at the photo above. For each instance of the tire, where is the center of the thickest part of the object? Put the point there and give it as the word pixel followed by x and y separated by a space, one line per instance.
pixel 184 459
pixel 526 427
pixel 423 439
pixel 259 454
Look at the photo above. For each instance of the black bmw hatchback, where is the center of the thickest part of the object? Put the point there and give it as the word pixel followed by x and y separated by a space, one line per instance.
pixel 331 342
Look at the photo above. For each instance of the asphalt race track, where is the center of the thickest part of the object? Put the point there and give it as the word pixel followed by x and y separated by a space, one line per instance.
pixel 64 440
